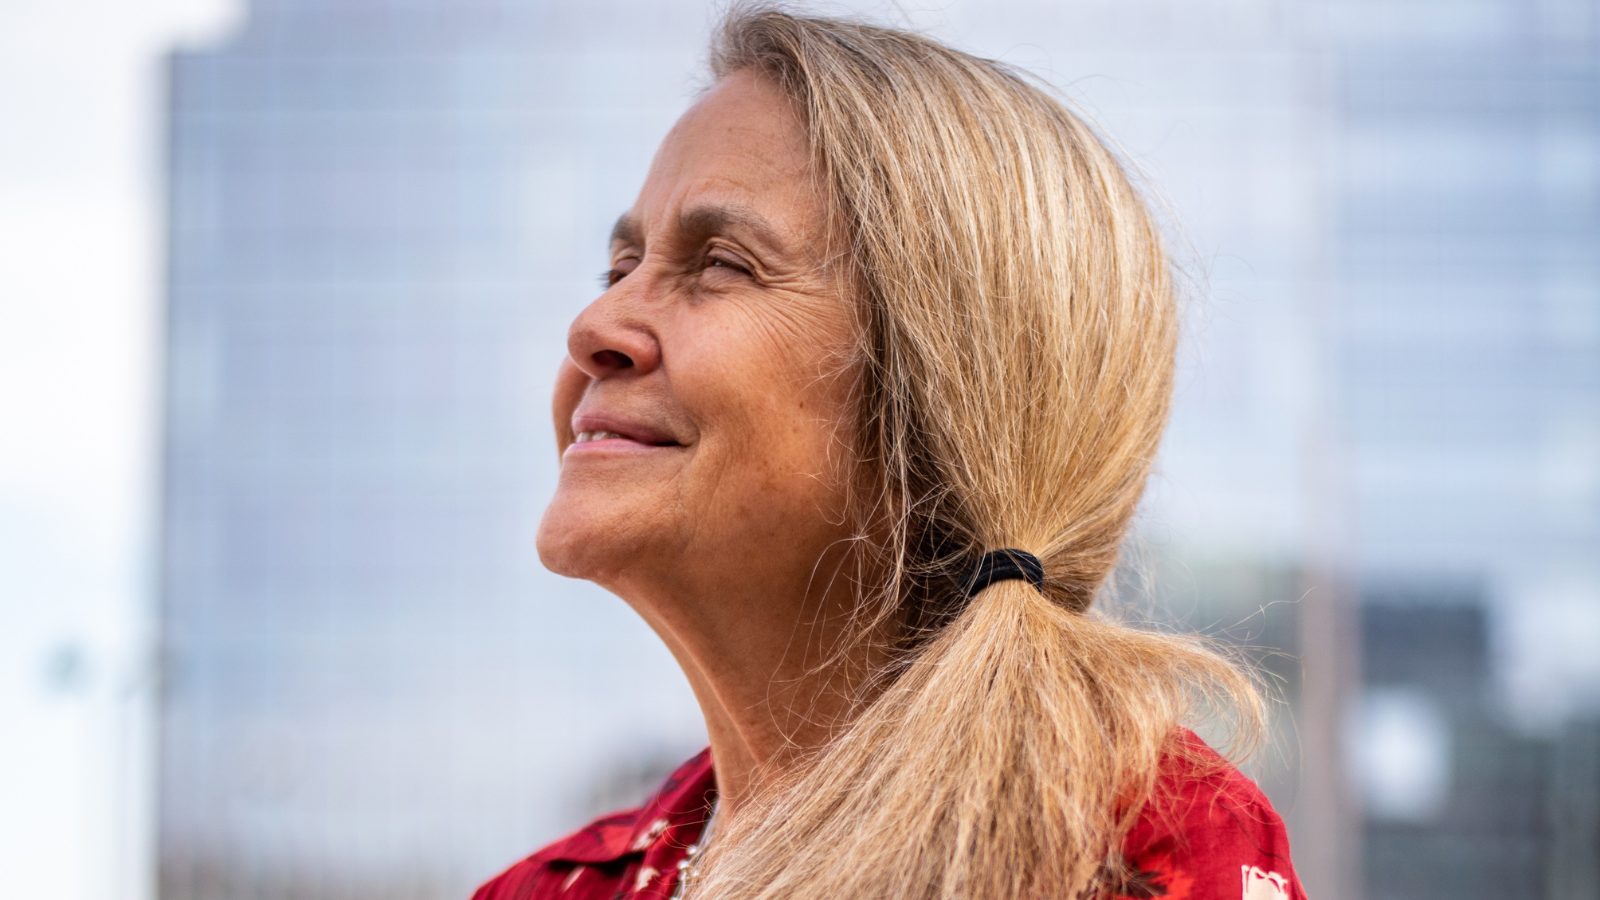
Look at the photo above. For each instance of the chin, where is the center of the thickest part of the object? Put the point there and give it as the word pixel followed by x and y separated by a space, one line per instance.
pixel 562 548
pixel 580 543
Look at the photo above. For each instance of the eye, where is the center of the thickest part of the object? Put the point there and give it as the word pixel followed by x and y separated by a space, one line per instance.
pixel 725 261
pixel 616 273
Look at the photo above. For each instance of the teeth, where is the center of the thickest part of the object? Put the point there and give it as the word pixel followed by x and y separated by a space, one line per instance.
pixel 585 437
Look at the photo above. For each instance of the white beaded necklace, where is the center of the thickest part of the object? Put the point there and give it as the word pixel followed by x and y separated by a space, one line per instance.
pixel 689 866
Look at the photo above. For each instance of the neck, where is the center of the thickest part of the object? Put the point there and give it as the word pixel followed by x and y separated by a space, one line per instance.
pixel 759 728
pixel 771 667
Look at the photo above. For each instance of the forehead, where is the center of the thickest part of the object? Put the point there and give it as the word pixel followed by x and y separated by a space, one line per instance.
pixel 741 146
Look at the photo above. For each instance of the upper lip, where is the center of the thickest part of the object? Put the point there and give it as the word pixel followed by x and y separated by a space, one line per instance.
pixel 627 428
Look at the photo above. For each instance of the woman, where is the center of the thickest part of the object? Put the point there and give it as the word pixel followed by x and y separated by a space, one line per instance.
pixel 858 426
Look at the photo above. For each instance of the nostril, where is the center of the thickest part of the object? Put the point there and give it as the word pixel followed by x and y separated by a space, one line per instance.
pixel 611 359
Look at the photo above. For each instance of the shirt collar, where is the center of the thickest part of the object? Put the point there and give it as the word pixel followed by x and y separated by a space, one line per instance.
pixel 675 813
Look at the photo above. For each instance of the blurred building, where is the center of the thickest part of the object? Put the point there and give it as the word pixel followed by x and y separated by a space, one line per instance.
pixel 1467 325
pixel 382 216
pixel 1468 318
pixel 1458 803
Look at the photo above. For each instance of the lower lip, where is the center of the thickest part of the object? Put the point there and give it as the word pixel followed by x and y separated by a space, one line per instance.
pixel 613 445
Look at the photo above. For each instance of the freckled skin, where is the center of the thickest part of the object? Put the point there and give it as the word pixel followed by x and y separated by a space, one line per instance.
pixel 729 340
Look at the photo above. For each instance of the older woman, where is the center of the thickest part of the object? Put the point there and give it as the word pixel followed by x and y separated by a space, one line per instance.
pixel 858 426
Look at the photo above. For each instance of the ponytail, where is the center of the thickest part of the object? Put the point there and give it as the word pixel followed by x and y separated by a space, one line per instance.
pixel 1008 761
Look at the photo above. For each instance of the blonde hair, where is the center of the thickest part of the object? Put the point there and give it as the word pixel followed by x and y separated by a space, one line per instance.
pixel 1018 327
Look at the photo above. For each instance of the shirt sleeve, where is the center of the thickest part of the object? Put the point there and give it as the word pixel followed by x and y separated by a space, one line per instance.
pixel 1212 838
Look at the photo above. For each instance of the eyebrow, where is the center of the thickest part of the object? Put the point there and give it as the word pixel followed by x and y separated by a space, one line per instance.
pixel 701 222
pixel 704 221
pixel 626 231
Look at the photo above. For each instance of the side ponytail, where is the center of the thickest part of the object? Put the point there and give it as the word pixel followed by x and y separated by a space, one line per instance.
pixel 1017 333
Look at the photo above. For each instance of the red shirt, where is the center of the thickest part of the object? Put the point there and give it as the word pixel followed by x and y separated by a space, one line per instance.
pixel 1215 838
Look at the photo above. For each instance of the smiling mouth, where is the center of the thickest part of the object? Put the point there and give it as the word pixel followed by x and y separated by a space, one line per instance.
pixel 589 437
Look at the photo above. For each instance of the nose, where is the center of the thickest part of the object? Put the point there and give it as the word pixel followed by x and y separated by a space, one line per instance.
pixel 613 335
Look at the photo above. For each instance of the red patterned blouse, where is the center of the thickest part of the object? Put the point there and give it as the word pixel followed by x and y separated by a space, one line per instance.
pixel 1216 838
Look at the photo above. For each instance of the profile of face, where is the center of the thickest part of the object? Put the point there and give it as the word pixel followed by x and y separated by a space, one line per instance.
pixel 701 413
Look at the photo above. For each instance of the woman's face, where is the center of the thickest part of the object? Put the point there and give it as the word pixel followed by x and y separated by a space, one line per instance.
pixel 700 411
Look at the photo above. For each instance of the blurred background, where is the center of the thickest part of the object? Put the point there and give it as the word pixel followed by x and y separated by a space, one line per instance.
pixel 282 288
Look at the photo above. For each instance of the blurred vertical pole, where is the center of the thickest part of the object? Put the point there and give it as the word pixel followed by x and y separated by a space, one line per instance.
pixel 1328 847
pixel 1328 854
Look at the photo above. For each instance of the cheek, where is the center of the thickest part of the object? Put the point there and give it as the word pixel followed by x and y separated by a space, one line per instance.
pixel 781 420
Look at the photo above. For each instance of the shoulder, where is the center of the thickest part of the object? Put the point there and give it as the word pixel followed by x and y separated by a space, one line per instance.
pixel 1208 833
pixel 598 858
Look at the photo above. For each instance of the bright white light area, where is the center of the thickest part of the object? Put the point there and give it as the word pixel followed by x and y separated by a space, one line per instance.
pixel 1546 648
pixel 1398 746
pixel 80 105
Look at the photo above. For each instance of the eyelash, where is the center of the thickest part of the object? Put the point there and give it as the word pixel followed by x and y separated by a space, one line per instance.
pixel 726 264
pixel 610 277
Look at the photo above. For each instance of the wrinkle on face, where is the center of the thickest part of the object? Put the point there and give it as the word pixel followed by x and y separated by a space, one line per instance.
pixel 754 360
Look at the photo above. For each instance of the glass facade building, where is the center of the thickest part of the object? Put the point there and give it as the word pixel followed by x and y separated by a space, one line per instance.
pixel 382 216
pixel 384 213
pixel 1468 369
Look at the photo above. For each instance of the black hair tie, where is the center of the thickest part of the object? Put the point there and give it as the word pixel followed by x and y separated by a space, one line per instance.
pixel 1006 565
